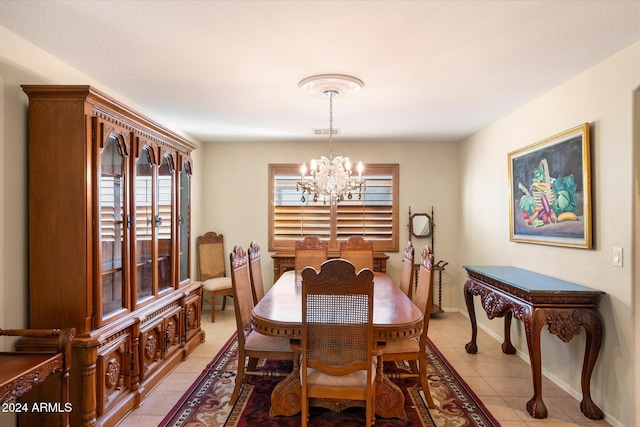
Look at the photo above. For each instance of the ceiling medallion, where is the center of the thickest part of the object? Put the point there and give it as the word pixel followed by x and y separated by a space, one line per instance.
pixel 341 84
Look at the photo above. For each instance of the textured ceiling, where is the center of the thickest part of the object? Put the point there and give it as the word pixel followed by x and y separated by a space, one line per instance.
pixel 229 70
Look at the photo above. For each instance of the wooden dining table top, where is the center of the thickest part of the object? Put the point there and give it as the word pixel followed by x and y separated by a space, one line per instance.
pixel 279 312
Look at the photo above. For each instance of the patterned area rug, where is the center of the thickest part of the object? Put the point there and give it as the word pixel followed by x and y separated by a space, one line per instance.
pixel 205 403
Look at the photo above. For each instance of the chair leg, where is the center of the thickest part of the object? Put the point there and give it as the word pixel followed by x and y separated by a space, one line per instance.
pixel 239 380
pixel 371 400
pixel 304 416
pixel 424 381
pixel 304 410
pixel 253 363
pixel 213 307
pixel 224 302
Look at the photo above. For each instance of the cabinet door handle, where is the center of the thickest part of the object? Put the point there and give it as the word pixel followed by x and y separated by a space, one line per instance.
pixel 158 221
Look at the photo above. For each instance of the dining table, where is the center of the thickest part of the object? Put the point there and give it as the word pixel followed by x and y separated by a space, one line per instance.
pixel 395 317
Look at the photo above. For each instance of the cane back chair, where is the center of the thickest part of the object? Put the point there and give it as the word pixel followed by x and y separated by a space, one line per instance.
pixel 251 344
pixel 255 271
pixel 338 358
pixel 212 267
pixel 311 251
pixel 358 251
pixel 414 349
pixel 406 277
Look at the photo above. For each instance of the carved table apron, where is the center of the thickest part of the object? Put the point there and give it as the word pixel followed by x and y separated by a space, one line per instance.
pixel 395 317
pixel 538 300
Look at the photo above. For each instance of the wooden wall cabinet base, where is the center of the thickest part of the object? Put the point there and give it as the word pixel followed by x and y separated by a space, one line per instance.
pixel 106 382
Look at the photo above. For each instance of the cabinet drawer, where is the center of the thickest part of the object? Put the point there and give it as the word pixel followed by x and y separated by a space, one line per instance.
pixel 114 365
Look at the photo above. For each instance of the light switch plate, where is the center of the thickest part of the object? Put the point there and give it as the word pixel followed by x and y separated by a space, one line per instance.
pixel 617 257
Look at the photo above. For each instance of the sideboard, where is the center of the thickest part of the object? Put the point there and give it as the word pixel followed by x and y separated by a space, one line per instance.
pixel 285 261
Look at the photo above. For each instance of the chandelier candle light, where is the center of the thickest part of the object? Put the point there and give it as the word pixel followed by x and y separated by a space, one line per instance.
pixel 331 177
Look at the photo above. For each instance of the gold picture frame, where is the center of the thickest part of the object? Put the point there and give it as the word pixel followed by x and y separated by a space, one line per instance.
pixel 550 191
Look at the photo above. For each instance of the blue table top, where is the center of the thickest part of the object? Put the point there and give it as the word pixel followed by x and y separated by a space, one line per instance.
pixel 529 281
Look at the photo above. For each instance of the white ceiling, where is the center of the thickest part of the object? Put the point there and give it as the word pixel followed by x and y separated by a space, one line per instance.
pixel 229 70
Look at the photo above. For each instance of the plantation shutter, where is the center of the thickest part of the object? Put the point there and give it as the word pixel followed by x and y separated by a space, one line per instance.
pixel 294 219
pixel 373 215
pixel 165 205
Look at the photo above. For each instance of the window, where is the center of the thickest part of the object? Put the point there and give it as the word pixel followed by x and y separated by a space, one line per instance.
pixel 374 216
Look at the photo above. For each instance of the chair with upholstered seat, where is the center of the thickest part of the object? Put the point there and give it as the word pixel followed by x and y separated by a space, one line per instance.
pixel 255 271
pixel 358 251
pixel 414 349
pixel 251 344
pixel 212 267
pixel 338 358
pixel 310 251
pixel 406 276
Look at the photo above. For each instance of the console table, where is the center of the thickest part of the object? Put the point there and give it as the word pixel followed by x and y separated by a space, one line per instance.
pixel 537 300
pixel 21 371
pixel 285 261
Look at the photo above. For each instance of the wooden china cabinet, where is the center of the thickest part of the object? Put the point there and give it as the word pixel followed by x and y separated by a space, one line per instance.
pixel 109 239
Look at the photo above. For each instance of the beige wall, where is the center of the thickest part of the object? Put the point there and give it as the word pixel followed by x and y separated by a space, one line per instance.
pixel 636 222
pixel 13 206
pixel 234 194
pixel 466 184
pixel 603 97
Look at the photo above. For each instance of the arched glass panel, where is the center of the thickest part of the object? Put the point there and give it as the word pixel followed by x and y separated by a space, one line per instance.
pixel 163 223
pixel 111 200
pixel 183 222
pixel 144 225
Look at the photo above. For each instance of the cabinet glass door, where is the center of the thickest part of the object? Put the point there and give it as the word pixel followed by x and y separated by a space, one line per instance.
pixel 164 214
pixel 112 231
pixel 144 225
pixel 184 224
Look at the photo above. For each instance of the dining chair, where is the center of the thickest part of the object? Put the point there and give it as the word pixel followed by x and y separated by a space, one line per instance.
pixel 255 272
pixel 414 349
pixel 310 251
pixel 212 267
pixel 338 357
pixel 251 344
pixel 359 251
pixel 406 276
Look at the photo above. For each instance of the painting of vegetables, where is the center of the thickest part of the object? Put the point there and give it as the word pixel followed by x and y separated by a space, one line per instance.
pixel 550 193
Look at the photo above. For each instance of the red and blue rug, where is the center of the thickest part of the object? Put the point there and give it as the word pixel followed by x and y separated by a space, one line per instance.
pixel 206 402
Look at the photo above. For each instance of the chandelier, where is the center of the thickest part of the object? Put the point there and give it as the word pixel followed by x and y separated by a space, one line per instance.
pixel 331 177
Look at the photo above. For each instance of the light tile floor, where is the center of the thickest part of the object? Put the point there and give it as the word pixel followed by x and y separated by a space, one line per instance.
pixel 503 382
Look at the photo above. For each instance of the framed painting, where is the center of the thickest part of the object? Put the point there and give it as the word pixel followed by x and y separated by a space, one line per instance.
pixel 550 190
